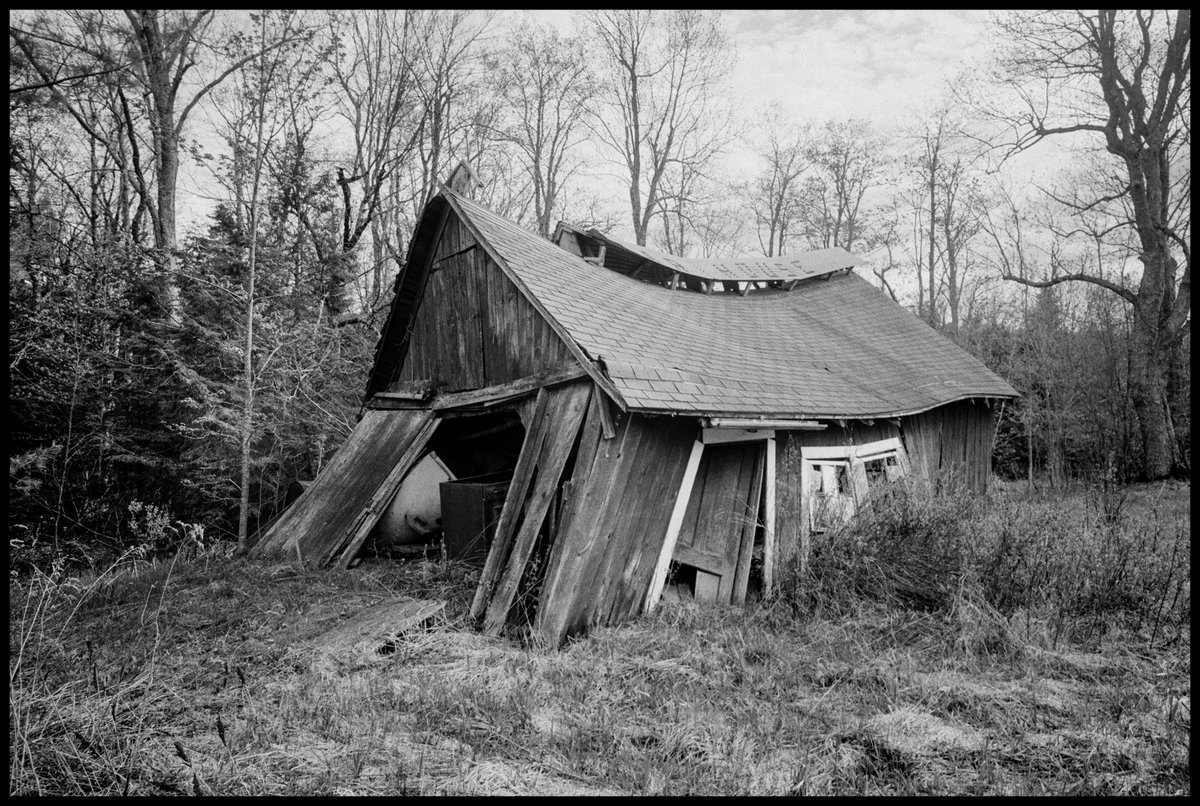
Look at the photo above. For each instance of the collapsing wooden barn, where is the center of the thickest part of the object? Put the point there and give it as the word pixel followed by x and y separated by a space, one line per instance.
pixel 609 422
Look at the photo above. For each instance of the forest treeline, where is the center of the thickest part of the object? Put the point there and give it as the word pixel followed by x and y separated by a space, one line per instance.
pixel 173 374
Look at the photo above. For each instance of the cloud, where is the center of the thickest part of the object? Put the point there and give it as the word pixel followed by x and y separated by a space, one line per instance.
pixel 879 64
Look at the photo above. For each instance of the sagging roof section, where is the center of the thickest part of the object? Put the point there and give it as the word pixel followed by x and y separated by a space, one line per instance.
pixel 830 348
pixel 637 261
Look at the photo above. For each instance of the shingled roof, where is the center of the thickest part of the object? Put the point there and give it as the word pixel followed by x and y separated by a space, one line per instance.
pixel 833 347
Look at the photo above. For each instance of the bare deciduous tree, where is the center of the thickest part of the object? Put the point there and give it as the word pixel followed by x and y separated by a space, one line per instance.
pixel 1120 80
pixel 845 159
pixel 158 48
pixel 660 73
pixel 944 196
pixel 774 194
pixel 547 88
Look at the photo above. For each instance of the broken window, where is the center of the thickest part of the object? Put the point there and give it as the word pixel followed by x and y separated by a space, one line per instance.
pixel 837 480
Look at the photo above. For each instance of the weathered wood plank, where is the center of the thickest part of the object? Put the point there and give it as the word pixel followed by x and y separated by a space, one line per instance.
pixel 383 495
pixel 707 587
pixel 328 508
pixel 769 515
pixel 470 326
pixel 595 473
pixel 673 525
pixel 514 503
pixel 564 416
pixel 606 419
pixel 517 339
pixel 393 348
pixel 788 498
pixel 421 389
pixel 717 436
pixel 509 390
pixel 718 510
pixel 608 529
pixel 394 404
pixel 564 337
pixel 858 482
pixel 641 519
pixel 698 558
pixel 745 551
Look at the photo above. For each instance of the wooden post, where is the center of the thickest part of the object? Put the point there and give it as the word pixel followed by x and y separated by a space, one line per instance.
pixel 673 527
pixel 769 521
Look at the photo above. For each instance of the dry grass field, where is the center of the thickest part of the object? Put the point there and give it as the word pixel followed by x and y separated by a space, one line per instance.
pixel 1023 644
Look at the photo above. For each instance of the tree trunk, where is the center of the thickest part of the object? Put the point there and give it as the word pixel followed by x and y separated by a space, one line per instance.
pixel 1148 391
pixel 164 226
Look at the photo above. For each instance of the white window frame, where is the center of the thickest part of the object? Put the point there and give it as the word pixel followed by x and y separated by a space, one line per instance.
pixel 854 458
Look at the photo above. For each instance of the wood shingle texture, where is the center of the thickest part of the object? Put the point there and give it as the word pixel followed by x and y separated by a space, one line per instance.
pixel 831 347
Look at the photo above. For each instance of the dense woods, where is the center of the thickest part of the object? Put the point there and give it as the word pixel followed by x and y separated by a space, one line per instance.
pixel 207 212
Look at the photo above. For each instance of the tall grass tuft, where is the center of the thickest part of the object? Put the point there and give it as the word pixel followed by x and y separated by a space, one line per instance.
pixel 75 728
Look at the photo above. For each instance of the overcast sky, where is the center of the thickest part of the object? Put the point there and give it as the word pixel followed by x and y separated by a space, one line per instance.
pixel 877 64
pixel 882 65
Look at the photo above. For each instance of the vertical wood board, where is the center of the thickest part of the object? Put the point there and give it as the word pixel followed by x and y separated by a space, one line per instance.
pixel 641 518
pixel 514 504
pixel 608 546
pixel 682 496
pixel 563 417
pixel 770 518
pixel 719 509
pixel 571 556
pixel 324 514
pixel 745 550
pixel 790 540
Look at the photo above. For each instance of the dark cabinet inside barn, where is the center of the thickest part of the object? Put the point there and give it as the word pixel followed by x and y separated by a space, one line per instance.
pixel 470 510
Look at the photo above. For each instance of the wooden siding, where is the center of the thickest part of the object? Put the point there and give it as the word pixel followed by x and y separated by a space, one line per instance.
pixel 472 327
pixel 952 444
pixel 557 418
pixel 614 521
pixel 329 512
pixel 722 513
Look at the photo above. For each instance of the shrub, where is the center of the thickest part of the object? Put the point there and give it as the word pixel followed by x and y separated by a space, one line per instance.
pixel 904 548
pixel 1083 562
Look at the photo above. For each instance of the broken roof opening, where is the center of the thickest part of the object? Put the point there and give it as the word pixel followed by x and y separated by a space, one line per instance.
pixel 704 275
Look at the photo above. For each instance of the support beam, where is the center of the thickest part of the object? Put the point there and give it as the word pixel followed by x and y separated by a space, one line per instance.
pixel 717 436
pixel 491 395
pixel 769 522
pixel 608 428
pixel 673 527
pixel 598 259
pixel 748 422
